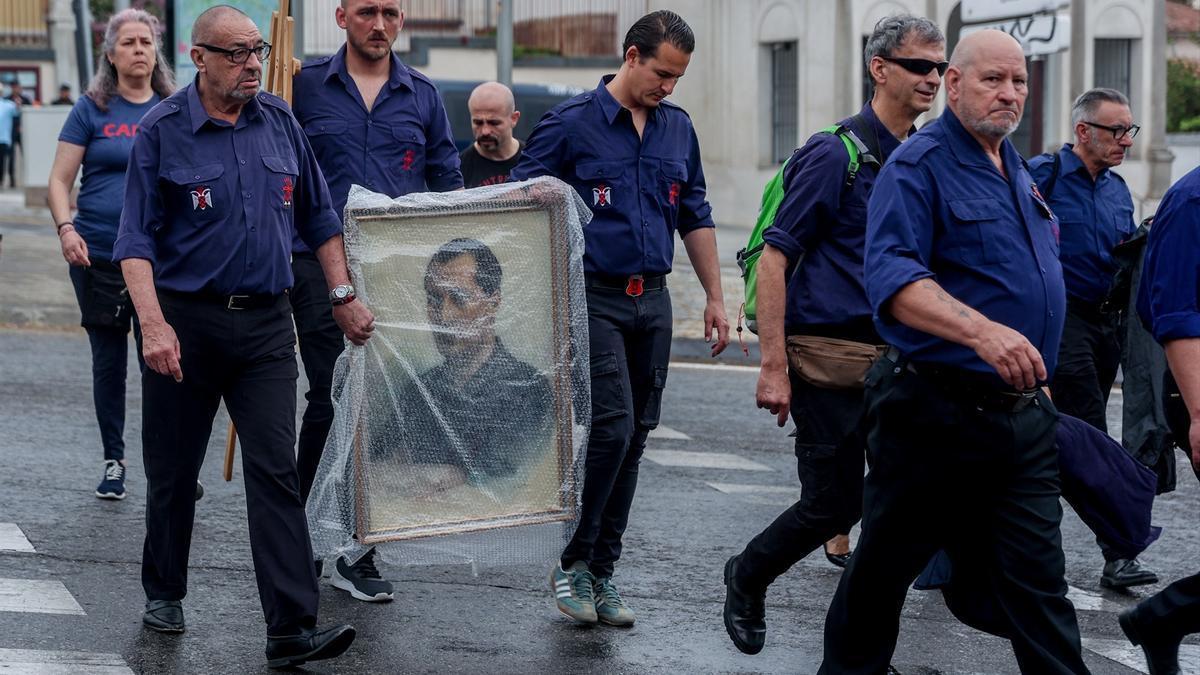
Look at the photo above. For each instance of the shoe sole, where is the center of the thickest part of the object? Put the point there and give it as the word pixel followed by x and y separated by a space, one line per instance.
pixel 164 629
pixel 613 622
pixel 742 646
pixel 587 620
pixel 338 581
pixel 335 647
pixel 110 495
pixel 1141 581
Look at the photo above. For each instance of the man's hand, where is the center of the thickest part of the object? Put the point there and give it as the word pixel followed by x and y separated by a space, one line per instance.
pixel 774 392
pixel 160 348
pixel 1014 358
pixel 74 249
pixel 714 317
pixel 355 320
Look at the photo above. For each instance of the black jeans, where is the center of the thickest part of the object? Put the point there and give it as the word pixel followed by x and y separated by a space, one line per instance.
pixel 1088 358
pixel 110 354
pixel 830 447
pixel 321 342
pixel 949 473
pixel 246 357
pixel 630 342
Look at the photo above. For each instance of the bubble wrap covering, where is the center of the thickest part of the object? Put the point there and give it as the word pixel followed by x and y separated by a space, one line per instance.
pixel 460 428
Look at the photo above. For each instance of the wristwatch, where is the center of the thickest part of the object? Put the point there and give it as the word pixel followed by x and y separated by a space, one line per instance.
pixel 341 294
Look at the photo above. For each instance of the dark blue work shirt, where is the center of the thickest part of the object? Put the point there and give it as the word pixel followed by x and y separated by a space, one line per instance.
pixel 826 224
pixel 941 209
pixel 401 145
pixel 1094 217
pixel 214 206
pixel 641 190
pixel 1169 294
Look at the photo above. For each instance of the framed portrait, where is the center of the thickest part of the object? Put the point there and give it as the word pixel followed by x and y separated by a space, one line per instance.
pixel 466 419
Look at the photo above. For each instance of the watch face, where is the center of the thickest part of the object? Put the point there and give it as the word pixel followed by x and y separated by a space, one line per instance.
pixel 341 292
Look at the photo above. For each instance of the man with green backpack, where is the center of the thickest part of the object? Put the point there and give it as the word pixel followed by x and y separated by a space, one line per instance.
pixel 807 302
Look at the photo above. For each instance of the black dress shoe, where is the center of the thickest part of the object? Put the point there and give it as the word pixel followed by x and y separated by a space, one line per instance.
pixel 311 644
pixel 1126 573
pixel 745 619
pixel 1162 652
pixel 837 559
pixel 164 616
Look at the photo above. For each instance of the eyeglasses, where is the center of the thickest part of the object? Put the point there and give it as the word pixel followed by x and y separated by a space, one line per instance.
pixel 918 66
pixel 1117 130
pixel 241 54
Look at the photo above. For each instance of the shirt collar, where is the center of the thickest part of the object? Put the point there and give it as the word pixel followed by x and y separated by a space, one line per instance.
pixel 611 106
pixel 887 142
pixel 1071 163
pixel 199 116
pixel 968 150
pixel 397 74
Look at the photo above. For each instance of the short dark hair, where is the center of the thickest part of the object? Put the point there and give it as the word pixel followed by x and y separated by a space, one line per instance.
pixel 1089 102
pixel 487 268
pixel 648 32
pixel 893 31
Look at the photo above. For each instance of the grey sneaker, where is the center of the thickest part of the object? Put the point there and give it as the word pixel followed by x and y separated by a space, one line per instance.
pixel 361 579
pixel 610 608
pixel 573 591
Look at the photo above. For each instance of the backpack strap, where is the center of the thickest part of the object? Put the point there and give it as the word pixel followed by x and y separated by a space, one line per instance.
pixel 860 153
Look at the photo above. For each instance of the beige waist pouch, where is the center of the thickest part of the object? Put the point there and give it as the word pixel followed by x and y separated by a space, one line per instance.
pixel 831 363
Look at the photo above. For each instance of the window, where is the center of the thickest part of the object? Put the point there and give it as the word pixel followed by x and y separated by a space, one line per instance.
pixel 785 100
pixel 1114 61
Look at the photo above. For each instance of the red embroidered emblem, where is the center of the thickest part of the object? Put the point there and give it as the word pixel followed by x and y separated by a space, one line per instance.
pixel 673 194
pixel 602 195
pixel 201 198
pixel 287 192
pixel 409 158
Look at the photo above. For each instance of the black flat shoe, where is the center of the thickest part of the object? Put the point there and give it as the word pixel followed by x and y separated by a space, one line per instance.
pixel 837 559
pixel 285 651
pixel 1162 652
pixel 164 616
pixel 1120 574
pixel 745 614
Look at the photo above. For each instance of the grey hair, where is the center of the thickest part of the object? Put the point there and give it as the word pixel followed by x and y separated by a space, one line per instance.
pixel 891 32
pixel 1089 101
pixel 104 83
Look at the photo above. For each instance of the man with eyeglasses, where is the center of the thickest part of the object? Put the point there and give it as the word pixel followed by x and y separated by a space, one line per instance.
pixel 372 121
pixel 819 234
pixel 1095 213
pixel 220 177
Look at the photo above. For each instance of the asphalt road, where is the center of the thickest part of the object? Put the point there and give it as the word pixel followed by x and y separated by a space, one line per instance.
pixel 686 521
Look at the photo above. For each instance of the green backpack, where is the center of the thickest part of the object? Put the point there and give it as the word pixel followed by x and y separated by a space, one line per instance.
pixel 772 197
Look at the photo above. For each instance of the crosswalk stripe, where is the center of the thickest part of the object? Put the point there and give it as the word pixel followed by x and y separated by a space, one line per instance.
pixel 1126 654
pixel 37 595
pixel 691 365
pixel 760 494
pixel 13 539
pixel 704 460
pixel 667 433
pixel 45 662
pixel 1093 602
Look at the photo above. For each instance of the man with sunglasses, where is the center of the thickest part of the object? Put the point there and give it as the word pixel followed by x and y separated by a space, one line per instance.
pixel 1095 213
pixel 375 122
pixel 819 232
pixel 220 177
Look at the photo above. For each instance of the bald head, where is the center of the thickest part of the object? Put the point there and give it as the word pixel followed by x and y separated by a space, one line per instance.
pixel 494 115
pixel 212 23
pixel 978 47
pixel 986 85
pixel 492 96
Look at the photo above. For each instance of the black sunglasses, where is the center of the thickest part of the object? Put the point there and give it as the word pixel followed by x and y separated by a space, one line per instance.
pixel 241 54
pixel 1117 130
pixel 918 66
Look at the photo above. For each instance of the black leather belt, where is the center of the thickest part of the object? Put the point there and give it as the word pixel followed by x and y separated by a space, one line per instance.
pixel 967 385
pixel 632 285
pixel 231 302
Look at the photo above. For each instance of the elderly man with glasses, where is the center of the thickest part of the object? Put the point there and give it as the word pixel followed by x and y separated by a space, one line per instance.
pixel 1095 213
pixel 219 178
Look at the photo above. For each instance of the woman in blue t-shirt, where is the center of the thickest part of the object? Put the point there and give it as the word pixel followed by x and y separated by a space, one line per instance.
pixel 131 78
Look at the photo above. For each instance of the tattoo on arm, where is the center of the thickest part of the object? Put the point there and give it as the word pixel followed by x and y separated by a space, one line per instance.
pixel 955 306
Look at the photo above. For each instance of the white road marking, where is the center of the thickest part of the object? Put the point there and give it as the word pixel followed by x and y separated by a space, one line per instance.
pixel 704 460
pixel 37 595
pixel 760 494
pixel 691 365
pixel 669 434
pixel 1126 654
pixel 13 539
pixel 32 661
pixel 1093 602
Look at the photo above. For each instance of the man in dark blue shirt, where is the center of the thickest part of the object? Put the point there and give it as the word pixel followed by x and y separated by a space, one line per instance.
pixel 1095 213
pixel 819 235
pixel 375 122
pixel 220 178
pixel 962 271
pixel 634 158
pixel 1169 305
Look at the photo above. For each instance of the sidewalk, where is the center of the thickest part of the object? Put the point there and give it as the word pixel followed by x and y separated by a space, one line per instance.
pixel 38 293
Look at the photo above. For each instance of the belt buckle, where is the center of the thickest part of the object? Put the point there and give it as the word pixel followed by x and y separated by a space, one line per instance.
pixel 232 302
pixel 1024 400
pixel 634 286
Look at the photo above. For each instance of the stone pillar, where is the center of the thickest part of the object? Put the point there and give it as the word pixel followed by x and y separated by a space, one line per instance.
pixel 1159 156
pixel 61 22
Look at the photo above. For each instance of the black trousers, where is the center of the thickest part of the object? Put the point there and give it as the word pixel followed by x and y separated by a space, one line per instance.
pixel 321 342
pixel 947 474
pixel 630 342
pixel 1088 358
pixel 830 447
pixel 246 357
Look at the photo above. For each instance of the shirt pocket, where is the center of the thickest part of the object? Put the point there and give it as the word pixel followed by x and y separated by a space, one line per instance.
pixel 198 192
pixel 976 232
pixel 327 138
pixel 282 176
pixel 605 180
pixel 672 178
pixel 409 150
